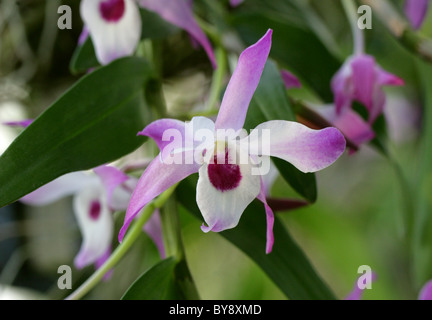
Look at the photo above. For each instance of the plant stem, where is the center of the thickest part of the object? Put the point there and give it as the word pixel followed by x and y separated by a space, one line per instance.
pixel 124 247
pixel 357 33
pixel 218 78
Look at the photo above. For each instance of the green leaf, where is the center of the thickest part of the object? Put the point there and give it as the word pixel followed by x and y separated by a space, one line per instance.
pixel 270 102
pixel 286 265
pixel 157 283
pixel 154 26
pixel 294 47
pixel 84 58
pixel 93 123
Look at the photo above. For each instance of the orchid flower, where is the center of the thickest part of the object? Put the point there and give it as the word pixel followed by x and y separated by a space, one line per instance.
pixel 115 25
pixel 361 79
pixel 227 185
pixel 416 10
pixel 96 197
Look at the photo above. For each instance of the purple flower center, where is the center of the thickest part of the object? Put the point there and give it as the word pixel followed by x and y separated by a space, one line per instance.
pixel 224 176
pixel 112 10
pixel 95 210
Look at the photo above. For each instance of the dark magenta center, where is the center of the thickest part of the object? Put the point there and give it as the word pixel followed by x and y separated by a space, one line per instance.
pixel 112 10
pixel 95 210
pixel 224 176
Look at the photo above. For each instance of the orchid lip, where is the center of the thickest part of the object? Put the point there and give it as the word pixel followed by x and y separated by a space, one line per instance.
pixel 112 10
pixel 95 210
pixel 224 176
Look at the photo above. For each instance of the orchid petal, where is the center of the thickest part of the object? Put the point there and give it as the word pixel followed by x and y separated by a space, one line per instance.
pixel 153 228
pixel 180 14
pixel 99 263
pixel 83 36
pixel 112 178
pixel 112 39
pixel 22 123
pixel 357 293
pixel 342 88
pixel 364 77
pixel 416 11
pixel 122 194
pixel 171 135
pixel 66 185
pixel 269 178
pixel 426 291
pixel 243 83
pixel 157 178
pixel 235 3
pixel 350 123
pixel 270 219
pixel 96 225
pixel 307 149
pixel 225 190
pixel 290 80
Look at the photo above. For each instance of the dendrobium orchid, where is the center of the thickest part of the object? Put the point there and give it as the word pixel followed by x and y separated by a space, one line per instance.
pixel 361 79
pixel 416 10
pixel 230 164
pixel 96 197
pixel 115 25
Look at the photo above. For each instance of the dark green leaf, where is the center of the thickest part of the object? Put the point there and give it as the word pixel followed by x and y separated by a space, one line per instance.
pixel 93 123
pixel 157 283
pixel 270 102
pixel 286 265
pixel 84 58
pixel 154 27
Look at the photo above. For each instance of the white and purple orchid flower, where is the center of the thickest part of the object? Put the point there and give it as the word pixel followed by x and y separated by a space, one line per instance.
pixel 115 25
pixel 95 198
pixel 361 79
pixel 225 158
pixel 416 10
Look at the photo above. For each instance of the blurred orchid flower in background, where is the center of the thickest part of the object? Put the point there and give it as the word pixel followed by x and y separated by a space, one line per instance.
pixel 226 187
pixel 416 10
pixel 115 25
pixel 96 197
pixel 361 79
pixel 235 3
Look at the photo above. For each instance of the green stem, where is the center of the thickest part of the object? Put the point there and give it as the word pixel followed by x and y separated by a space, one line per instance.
pixel 124 247
pixel 357 33
pixel 218 78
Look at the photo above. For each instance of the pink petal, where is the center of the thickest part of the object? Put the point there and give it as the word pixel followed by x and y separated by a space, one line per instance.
pixel 307 149
pixel 235 3
pixel 357 293
pixel 350 123
pixel 270 219
pixel 243 84
pixel 153 228
pixel 416 11
pixel 111 178
pixel 180 14
pixel 22 123
pixel 426 291
pixel 364 79
pixel 290 80
pixel 157 178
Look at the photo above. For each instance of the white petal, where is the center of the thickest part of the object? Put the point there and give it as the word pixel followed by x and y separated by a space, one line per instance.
pixel 122 195
pixel 97 231
pixel 112 40
pixel 66 185
pixel 222 209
